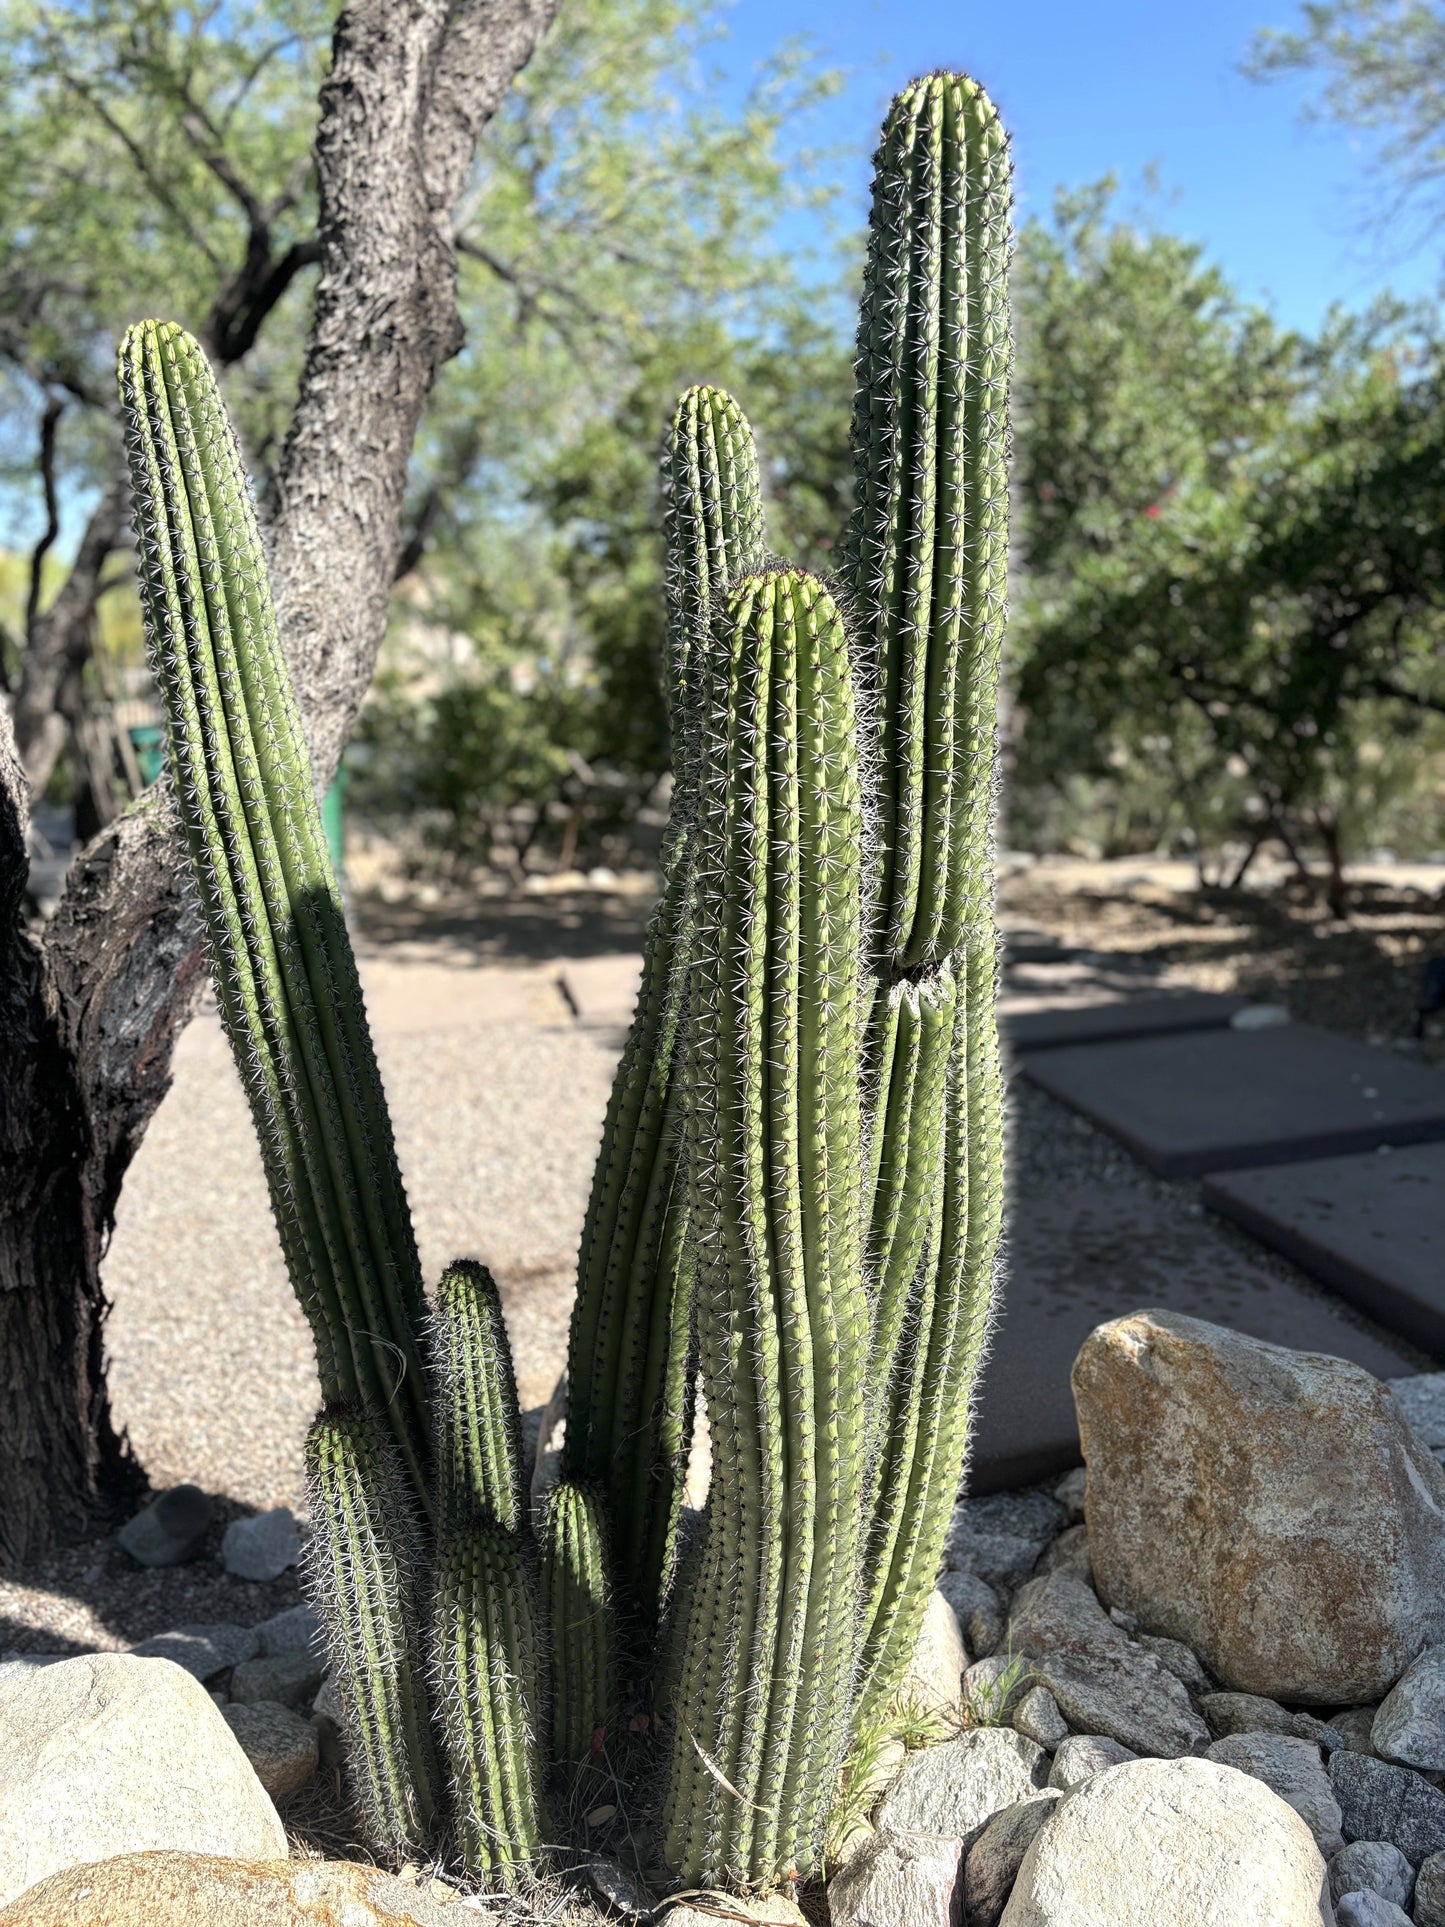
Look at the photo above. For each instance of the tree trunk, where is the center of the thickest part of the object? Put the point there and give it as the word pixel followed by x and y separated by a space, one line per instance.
pixel 89 1015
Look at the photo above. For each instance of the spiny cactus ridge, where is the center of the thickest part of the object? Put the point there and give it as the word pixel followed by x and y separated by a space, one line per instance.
pixel 364 1557
pixel 629 1412
pixel 774 1168
pixel 577 1612
pixel 284 972
pixel 798 1198
pixel 487 1683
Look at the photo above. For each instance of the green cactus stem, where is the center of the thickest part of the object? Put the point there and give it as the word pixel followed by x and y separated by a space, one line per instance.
pixel 926 1435
pixel 775 1173
pixel 284 972
pixel 486 1679
pixel 927 550
pixel 629 1414
pixel 362 1571
pixel 577 1612
pixel 478 1451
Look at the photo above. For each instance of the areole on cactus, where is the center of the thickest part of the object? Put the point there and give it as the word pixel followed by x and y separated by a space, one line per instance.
pixel 796 1206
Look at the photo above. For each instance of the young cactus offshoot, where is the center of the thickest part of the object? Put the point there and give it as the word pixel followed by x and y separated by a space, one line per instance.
pixel 797 1202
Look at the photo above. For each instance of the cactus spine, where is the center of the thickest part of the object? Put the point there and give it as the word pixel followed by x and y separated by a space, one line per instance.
pixel 285 976
pixel 629 1414
pixel 577 1611
pixel 362 1570
pixel 774 1145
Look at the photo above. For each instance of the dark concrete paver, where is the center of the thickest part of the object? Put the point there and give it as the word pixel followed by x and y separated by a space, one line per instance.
pixel 1115 1019
pixel 1101 1251
pixel 1372 1226
pixel 1228 1100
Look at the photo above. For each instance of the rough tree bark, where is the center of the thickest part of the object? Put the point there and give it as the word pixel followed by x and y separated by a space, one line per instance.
pixel 89 1015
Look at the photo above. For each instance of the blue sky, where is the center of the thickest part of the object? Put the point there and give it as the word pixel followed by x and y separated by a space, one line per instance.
pixel 1091 87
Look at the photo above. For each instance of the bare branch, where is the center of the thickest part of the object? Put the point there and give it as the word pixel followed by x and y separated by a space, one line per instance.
pixel 49 422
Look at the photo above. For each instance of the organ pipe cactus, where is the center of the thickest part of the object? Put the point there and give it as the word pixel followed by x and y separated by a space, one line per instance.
pixel 280 956
pixel 796 1207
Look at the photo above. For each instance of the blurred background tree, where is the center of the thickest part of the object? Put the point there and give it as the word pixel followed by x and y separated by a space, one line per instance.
pixel 1226 568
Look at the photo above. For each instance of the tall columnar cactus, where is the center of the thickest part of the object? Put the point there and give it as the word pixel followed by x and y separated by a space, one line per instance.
pixel 577 1612
pixel 775 1162
pixel 799 1192
pixel 282 962
pixel 629 1411
pixel 364 1558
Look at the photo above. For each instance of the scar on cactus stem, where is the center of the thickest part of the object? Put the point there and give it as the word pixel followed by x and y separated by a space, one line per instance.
pixel 798 1196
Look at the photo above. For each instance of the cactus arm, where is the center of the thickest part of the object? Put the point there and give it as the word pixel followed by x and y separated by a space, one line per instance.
pixel 775 1169
pixel 629 1400
pixel 577 1613
pixel 283 965
pixel 478 1452
pixel 486 1680
pixel 361 1570
pixel 927 546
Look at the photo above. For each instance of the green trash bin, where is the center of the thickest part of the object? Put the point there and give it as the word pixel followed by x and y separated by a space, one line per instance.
pixel 332 821
pixel 148 740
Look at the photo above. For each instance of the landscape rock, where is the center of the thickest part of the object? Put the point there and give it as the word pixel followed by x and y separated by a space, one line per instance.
pixel 1103 1683
pixel 771 1910
pixel 297 1630
pixel 203 1651
pixel 1354 1727
pixel 1071 1491
pixel 978 1608
pixel 993 1687
pixel 1376 1866
pixel 177 1889
pixel 1082 1755
pixel 619 1889
pixel 995 1857
pixel 327 1702
pixel 290 1679
pixel 1369 1910
pixel 1294 1770
pixel 1068 1553
pixel 169 1531
pixel 1422 1401
pixel 912 1878
pixel 284 1750
pixel 1171 1843
pixel 263 1546
pixel 1037 1717
pixel 1001 1537
pixel 934 1680
pixel 954 1790
pixel 1270 1508
pixel 1383 1802
pixel 1176 1658
pixel 1410 1725
pixel 1430 1892
pixel 108 1754
pixel 1251 1713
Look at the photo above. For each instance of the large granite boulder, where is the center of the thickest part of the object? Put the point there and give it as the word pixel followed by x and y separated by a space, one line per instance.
pixel 188 1889
pixel 1171 1843
pixel 1270 1508
pixel 108 1754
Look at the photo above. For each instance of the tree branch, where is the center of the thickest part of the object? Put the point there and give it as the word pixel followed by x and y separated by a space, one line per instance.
pixel 49 422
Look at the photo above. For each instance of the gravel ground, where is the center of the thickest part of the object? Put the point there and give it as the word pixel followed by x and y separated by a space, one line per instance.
pixel 498 1094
